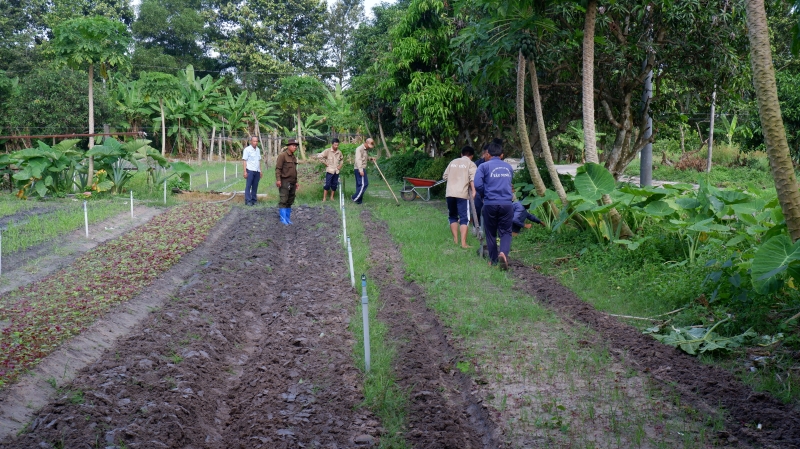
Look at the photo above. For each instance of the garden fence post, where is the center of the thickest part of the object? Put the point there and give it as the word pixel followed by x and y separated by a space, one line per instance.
pixel 131 203
pixel 350 257
pixel 365 318
pixel 86 218
pixel 206 178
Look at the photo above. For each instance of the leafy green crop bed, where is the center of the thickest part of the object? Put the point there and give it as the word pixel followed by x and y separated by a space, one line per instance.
pixel 41 316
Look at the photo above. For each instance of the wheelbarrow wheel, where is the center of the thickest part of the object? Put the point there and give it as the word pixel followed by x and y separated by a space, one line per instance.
pixel 408 195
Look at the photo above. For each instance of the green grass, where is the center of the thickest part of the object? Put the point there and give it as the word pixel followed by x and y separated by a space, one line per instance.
pixel 720 176
pixel 381 392
pixel 67 217
pixel 10 205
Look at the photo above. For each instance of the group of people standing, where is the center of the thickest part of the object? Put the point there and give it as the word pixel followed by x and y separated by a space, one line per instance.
pixel 286 173
pixel 488 182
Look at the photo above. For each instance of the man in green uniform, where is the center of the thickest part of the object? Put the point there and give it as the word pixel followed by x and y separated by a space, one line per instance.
pixel 286 180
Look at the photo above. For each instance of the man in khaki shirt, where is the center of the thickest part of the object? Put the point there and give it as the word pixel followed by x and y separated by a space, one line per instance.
pixel 333 163
pixel 360 169
pixel 460 177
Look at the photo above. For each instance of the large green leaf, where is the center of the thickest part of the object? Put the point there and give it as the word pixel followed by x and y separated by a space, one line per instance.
pixel 593 181
pixel 659 209
pixel 775 256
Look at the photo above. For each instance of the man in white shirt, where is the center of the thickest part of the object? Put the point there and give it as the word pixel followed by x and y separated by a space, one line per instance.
pixel 360 169
pixel 251 159
pixel 460 177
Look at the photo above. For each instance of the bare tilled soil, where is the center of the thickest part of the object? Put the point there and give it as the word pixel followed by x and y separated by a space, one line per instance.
pixel 706 387
pixel 443 411
pixel 253 351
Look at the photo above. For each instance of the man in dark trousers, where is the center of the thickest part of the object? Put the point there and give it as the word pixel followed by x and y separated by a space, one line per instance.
pixel 251 159
pixel 360 169
pixel 493 183
pixel 286 180
pixel 521 215
pixel 459 175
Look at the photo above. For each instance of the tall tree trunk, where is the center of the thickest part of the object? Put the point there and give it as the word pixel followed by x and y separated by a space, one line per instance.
pixel 769 110
pixel 383 138
pixel 589 138
pixel 163 128
pixel 300 135
pixel 683 138
pixel 522 131
pixel 211 144
pixel 548 157
pixel 91 123
pixel 711 131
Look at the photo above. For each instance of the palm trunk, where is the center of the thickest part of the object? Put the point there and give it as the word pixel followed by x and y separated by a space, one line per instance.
pixel 383 138
pixel 163 128
pixel 548 157
pixel 91 123
pixel 522 129
pixel 589 138
pixel 769 110
pixel 300 135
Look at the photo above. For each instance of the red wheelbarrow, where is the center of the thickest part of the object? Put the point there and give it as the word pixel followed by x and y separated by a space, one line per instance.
pixel 416 187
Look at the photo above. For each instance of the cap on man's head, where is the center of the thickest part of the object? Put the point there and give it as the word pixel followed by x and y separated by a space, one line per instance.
pixel 292 142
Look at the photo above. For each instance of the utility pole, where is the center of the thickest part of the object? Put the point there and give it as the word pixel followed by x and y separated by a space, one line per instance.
pixel 646 157
pixel 711 130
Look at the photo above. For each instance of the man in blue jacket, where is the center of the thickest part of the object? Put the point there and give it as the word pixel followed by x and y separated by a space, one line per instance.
pixel 493 183
pixel 521 214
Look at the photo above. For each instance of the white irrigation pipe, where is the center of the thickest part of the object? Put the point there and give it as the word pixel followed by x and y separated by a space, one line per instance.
pixel 190 182
pixel 344 228
pixel 365 319
pixel 165 191
pixel 350 257
pixel 131 203
pixel 225 173
pixel 206 178
pixel 86 219
pixel 236 175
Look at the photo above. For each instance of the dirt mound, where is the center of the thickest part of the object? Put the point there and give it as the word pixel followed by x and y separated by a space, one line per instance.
pixel 442 411
pixel 706 387
pixel 253 351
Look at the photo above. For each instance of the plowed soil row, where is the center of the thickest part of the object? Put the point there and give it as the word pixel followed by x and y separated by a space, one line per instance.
pixel 706 387
pixel 443 412
pixel 253 351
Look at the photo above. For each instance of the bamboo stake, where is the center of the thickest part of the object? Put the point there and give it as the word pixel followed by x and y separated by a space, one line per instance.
pixel 387 182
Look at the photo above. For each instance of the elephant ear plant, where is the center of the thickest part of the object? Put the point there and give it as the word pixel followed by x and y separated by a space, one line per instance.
pixel 119 159
pixel 45 170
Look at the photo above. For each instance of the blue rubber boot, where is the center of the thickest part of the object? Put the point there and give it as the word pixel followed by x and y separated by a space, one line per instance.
pixel 283 216
pixel 289 215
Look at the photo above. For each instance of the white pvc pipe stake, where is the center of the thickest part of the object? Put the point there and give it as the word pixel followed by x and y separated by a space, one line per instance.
pixel 225 173
pixel 190 182
pixel 131 203
pixel 365 319
pixel 1 252
pixel 206 178
pixel 344 228
pixel 86 219
pixel 165 191
pixel 350 256
pixel 236 176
